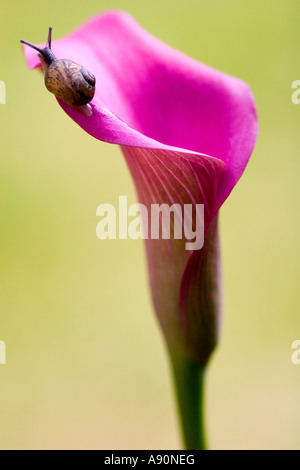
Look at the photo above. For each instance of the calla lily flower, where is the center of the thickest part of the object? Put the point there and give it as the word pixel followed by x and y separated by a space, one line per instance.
pixel 187 132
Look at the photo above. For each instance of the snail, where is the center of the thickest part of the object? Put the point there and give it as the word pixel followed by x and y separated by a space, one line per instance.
pixel 65 79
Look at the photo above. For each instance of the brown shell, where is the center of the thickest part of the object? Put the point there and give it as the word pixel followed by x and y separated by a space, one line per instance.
pixel 71 82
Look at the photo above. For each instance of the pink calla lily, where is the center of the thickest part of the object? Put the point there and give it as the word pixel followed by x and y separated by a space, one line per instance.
pixel 187 132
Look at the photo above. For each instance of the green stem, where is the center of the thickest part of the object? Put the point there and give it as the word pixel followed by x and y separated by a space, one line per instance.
pixel 189 384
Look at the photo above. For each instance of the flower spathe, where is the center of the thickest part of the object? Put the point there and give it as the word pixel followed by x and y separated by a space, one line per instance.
pixel 187 132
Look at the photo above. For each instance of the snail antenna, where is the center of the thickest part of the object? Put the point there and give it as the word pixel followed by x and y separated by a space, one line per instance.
pixel 49 37
pixel 31 45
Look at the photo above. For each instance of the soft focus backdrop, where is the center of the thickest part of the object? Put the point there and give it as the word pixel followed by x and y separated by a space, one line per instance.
pixel 86 364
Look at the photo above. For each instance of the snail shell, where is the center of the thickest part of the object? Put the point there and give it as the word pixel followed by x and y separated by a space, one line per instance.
pixel 71 82
pixel 65 79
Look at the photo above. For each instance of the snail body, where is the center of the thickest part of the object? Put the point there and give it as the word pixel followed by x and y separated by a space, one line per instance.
pixel 65 79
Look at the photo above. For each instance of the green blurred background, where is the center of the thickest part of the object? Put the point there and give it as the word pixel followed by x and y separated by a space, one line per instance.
pixel 86 364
